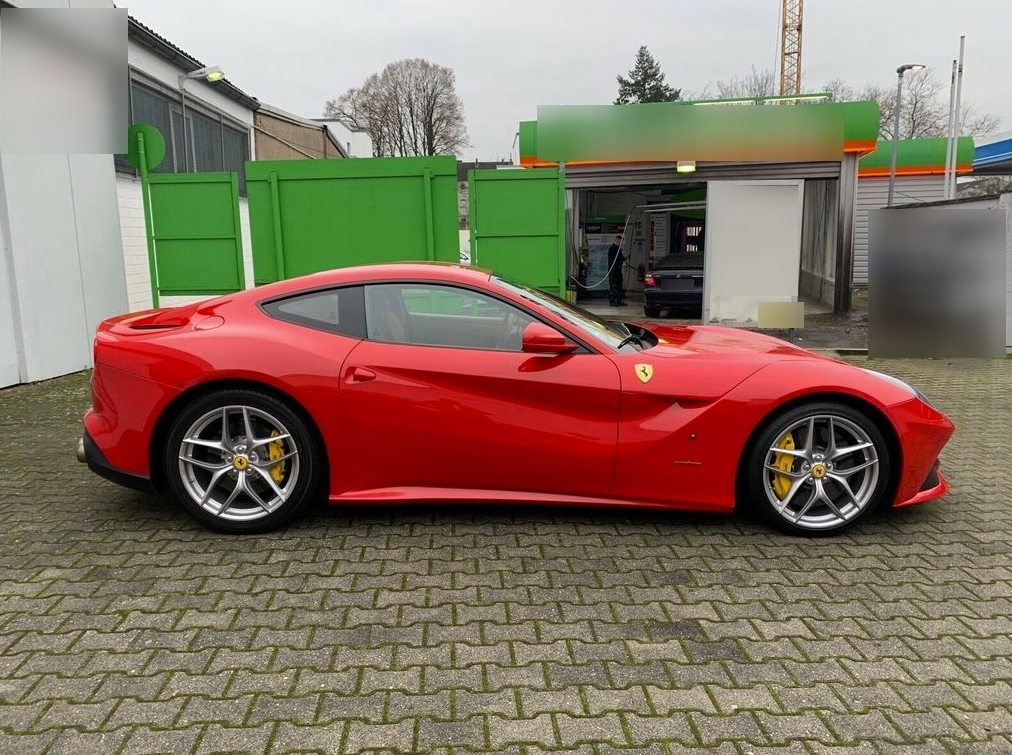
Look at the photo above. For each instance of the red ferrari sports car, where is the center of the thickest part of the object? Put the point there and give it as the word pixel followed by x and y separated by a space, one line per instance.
pixel 433 382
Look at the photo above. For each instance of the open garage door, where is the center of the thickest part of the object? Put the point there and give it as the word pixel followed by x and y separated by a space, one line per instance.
pixel 753 247
pixel 518 225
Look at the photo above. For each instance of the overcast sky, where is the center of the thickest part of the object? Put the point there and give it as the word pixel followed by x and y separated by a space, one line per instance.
pixel 512 55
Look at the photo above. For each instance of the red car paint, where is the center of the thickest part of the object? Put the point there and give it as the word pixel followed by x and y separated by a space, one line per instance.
pixel 403 422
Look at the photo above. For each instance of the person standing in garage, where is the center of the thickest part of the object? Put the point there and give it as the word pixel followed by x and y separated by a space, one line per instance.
pixel 616 291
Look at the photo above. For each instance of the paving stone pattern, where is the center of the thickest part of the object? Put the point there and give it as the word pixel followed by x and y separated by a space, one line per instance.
pixel 127 628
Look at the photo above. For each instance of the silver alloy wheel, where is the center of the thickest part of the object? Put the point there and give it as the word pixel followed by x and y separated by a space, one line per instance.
pixel 821 471
pixel 238 463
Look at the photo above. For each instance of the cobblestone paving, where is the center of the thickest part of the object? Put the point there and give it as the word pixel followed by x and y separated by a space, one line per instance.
pixel 127 628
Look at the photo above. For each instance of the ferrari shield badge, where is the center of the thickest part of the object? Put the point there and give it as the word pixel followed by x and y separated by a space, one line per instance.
pixel 644 372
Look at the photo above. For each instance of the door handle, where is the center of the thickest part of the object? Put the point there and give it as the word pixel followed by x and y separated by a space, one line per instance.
pixel 362 375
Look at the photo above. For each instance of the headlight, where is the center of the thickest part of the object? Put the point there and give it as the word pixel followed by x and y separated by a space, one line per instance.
pixel 900 384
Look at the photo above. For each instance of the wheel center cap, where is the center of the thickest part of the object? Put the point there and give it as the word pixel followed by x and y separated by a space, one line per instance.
pixel 819 471
pixel 240 462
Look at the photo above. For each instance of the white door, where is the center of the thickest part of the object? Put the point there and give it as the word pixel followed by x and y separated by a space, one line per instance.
pixel 753 247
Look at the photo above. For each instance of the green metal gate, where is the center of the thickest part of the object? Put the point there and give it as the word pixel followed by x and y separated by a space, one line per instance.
pixel 195 237
pixel 518 225
pixel 313 215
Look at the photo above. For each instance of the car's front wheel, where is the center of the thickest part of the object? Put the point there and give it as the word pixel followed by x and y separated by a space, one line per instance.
pixel 818 469
pixel 242 461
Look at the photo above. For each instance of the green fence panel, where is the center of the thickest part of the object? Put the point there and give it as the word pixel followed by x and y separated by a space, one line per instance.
pixel 518 225
pixel 196 232
pixel 313 215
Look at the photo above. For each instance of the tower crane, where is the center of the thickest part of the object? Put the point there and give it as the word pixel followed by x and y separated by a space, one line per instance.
pixel 790 46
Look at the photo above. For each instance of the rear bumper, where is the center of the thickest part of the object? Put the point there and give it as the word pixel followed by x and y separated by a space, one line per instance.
pixel 88 453
pixel 657 297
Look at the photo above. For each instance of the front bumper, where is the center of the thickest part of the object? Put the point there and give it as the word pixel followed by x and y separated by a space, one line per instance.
pixel 935 486
pixel 88 453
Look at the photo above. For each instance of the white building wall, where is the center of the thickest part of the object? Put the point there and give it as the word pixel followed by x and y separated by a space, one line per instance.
pixel 10 342
pixel 63 257
pixel 134 237
pixel 872 194
pixel 60 256
pixel 357 143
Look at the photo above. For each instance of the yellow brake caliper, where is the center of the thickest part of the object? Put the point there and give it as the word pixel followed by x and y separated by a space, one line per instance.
pixel 275 450
pixel 783 462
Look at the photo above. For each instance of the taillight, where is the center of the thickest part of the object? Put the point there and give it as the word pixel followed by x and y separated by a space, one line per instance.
pixel 649 281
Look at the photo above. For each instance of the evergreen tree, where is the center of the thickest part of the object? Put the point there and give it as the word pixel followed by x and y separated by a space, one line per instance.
pixel 645 82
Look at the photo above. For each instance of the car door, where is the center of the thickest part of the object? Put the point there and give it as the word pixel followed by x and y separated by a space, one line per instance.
pixel 440 395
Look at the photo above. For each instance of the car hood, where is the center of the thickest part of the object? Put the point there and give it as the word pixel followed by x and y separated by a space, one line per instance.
pixel 682 340
pixel 711 360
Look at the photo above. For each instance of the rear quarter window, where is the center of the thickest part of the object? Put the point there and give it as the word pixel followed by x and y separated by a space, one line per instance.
pixel 337 310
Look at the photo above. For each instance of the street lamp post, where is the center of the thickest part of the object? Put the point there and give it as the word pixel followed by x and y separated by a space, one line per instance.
pixel 207 73
pixel 896 126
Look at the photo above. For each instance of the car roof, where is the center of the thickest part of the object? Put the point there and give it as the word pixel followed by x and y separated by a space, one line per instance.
pixel 448 272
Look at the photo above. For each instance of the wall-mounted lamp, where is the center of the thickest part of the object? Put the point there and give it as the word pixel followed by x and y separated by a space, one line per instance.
pixel 207 73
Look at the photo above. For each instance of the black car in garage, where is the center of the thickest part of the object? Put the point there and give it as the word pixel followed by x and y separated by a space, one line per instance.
pixel 675 285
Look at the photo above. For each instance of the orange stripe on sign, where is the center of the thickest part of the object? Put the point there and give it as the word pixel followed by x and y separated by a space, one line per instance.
pixel 912 170
pixel 860 145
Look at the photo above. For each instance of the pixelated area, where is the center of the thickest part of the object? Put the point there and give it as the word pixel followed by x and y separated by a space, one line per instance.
pixel 936 283
pixel 686 131
pixel 63 80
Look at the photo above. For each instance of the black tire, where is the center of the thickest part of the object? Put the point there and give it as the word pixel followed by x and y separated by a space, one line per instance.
pixel 807 497
pixel 651 311
pixel 241 487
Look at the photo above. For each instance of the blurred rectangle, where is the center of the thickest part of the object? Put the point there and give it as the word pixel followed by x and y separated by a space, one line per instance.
pixel 63 80
pixel 779 315
pixel 936 282
pixel 673 131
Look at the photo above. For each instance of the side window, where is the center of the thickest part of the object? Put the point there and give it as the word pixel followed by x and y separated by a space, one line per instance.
pixel 434 315
pixel 337 310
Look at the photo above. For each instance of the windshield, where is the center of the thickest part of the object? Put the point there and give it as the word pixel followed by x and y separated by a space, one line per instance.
pixel 614 334
pixel 682 260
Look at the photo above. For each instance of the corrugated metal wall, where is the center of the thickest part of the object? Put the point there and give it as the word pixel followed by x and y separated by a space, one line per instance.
pixel 872 194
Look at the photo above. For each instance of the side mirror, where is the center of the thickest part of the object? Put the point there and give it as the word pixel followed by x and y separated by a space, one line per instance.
pixel 540 339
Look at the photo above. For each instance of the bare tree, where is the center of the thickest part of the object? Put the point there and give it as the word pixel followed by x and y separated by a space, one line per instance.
pixel 975 123
pixel 753 84
pixel 410 108
pixel 841 90
pixel 925 110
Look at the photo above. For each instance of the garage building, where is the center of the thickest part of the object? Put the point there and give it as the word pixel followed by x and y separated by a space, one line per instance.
pixel 776 227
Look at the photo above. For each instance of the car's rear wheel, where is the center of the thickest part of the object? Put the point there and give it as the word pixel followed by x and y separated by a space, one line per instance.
pixel 651 311
pixel 818 469
pixel 242 461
